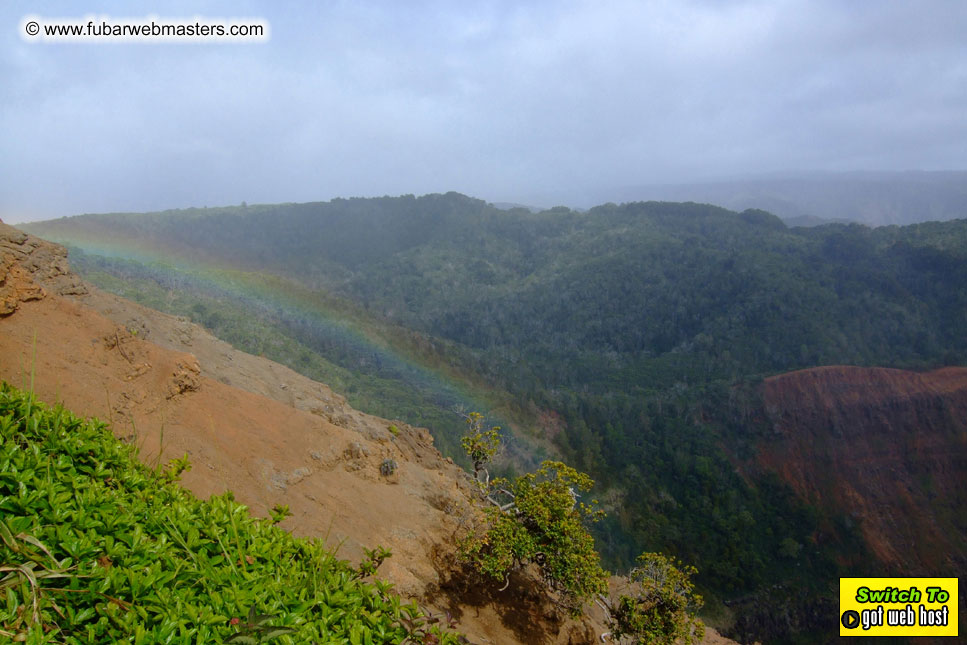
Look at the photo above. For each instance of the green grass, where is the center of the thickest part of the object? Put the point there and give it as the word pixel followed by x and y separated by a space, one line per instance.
pixel 96 547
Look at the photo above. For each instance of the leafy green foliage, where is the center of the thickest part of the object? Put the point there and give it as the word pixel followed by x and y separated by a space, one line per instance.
pixel 279 512
pixel 96 547
pixel 544 524
pixel 372 560
pixel 175 468
pixel 661 608
pixel 256 629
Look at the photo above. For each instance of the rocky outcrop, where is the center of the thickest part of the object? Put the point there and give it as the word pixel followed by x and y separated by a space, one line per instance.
pixel 885 448
pixel 29 267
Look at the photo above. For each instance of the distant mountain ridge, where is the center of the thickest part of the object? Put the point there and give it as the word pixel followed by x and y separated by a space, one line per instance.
pixel 808 199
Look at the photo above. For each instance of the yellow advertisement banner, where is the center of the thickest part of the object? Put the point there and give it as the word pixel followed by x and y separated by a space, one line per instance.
pixel 898 606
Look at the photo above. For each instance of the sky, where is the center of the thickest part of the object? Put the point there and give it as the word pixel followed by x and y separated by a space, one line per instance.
pixel 530 102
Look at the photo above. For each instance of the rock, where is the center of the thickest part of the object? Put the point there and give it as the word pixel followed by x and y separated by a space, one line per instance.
pixel 185 379
pixel 29 267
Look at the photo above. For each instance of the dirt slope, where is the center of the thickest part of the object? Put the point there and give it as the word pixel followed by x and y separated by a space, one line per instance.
pixel 261 430
pixel 885 447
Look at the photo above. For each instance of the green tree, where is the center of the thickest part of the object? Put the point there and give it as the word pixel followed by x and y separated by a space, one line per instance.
pixel 661 608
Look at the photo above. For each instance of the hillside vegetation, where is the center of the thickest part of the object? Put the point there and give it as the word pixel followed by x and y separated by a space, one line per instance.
pixel 628 339
pixel 96 547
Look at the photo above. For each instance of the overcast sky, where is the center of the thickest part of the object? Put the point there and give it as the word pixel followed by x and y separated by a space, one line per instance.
pixel 538 102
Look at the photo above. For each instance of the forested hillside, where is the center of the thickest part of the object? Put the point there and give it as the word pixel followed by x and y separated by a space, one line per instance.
pixel 629 338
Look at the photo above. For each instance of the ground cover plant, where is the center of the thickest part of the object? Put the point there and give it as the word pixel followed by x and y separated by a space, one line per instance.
pixel 96 547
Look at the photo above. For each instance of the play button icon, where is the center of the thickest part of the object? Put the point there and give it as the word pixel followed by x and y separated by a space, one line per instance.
pixel 850 619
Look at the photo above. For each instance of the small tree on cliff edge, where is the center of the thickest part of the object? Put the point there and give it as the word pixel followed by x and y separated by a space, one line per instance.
pixel 661 608
pixel 541 522
pixel 481 446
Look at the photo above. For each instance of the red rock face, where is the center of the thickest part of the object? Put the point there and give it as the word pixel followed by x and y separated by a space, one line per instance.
pixel 887 448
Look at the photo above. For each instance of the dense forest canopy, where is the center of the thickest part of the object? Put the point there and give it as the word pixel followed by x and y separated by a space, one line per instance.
pixel 627 338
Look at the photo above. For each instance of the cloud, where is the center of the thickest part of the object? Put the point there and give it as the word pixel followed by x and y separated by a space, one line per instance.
pixel 502 100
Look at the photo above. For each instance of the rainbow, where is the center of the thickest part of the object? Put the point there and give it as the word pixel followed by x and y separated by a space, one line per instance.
pixel 329 317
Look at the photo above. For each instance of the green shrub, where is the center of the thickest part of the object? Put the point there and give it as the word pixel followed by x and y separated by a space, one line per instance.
pixel 661 609
pixel 542 523
pixel 388 467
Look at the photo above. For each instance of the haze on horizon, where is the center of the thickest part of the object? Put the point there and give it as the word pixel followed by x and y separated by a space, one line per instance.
pixel 534 102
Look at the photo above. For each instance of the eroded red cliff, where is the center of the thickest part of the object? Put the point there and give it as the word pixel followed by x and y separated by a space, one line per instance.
pixel 885 448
